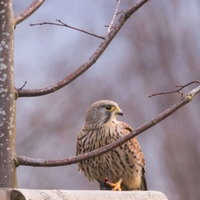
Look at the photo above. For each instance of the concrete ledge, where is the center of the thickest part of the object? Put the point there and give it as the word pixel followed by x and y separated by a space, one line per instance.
pixel 25 194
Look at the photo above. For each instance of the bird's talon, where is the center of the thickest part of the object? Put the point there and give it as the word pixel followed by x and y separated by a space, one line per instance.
pixel 116 186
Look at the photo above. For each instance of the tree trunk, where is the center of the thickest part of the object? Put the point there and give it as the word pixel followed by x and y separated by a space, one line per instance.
pixel 7 97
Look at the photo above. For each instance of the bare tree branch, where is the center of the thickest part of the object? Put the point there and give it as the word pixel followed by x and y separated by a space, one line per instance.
pixel 23 85
pixel 120 12
pixel 113 19
pixel 52 88
pixel 28 11
pixel 175 91
pixel 60 23
pixel 22 160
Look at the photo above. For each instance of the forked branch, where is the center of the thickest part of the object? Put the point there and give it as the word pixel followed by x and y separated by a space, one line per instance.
pixel 52 88
pixel 28 11
pixel 175 91
pixel 22 160
pixel 60 23
pixel 114 16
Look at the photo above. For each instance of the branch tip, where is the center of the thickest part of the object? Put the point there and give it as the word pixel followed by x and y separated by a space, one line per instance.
pixel 176 91
pixel 60 23
pixel 113 19
pixel 23 85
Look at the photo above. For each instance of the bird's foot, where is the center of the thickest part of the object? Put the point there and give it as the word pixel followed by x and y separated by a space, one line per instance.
pixel 107 185
pixel 116 186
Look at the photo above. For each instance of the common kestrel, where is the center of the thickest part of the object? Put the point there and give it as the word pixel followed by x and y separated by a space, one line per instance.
pixel 123 167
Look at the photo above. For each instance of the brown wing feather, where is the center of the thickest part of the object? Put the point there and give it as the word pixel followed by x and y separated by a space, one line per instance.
pixel 127 129
pixel 134 145
pixel 144 181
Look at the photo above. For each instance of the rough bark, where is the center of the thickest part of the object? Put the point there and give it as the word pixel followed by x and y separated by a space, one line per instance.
pixel 7 97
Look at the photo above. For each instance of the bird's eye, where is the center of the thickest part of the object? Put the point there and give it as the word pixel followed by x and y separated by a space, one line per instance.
pixel 109 107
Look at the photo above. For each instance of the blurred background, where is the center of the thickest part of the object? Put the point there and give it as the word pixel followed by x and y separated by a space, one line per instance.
pixel 158 48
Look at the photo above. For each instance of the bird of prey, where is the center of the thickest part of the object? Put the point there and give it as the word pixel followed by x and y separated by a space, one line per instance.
pixel 123 168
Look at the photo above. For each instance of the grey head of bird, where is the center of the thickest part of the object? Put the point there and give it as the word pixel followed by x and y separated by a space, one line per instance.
pixel 101 112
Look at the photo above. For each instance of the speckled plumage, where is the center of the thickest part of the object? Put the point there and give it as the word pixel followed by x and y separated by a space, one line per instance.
pixel 126 161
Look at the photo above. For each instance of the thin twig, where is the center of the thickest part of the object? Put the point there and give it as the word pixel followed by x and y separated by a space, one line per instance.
pixel 22 160
pixel 52 88
pixel 60 23
pixel 120 12
pixel 28 11
pixel 23 85
pixel 175 91
pixel 113 19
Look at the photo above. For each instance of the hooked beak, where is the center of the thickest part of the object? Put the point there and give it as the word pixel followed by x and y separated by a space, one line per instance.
pixel 119 111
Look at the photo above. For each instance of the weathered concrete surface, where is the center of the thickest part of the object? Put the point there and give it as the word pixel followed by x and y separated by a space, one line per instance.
pixel 24 194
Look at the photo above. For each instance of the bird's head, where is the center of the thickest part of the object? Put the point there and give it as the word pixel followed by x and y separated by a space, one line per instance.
pixel 100 112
